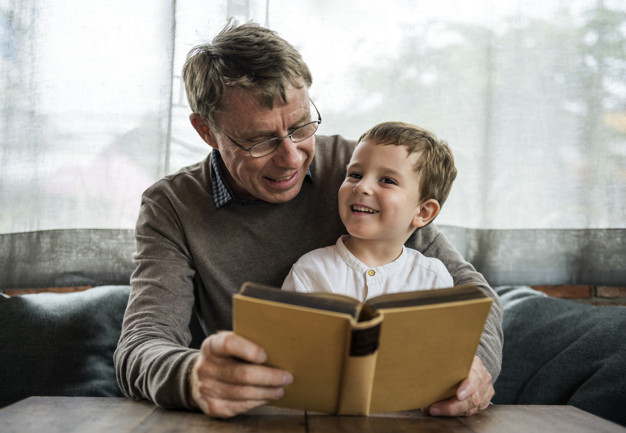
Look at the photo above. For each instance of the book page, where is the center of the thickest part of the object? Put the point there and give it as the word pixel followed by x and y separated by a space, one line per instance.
pixel 426 297
pixel 425 352
pixel 308 343
pixel 321 301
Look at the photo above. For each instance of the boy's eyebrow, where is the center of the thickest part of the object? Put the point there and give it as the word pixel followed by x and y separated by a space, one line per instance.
pixel 391 171
pixel 388 171
pixel 352 164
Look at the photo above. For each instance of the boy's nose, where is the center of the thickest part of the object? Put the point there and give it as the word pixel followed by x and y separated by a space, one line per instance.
pixel 362 187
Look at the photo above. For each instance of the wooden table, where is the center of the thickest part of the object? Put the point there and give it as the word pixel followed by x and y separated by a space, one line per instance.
pixel 119 415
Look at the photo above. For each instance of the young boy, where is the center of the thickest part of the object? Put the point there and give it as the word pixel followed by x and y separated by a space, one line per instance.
pixel 397 179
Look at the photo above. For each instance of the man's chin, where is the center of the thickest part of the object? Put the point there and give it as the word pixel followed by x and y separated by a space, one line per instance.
pixel 273 196
pixel 282 192
pixel 282 198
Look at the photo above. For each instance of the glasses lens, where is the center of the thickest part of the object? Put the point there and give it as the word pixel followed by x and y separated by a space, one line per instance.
pixel 264 148
pixel 268 146
pixel 304 132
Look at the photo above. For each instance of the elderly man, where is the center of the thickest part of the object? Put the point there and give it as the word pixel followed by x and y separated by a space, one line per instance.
pixel 264 196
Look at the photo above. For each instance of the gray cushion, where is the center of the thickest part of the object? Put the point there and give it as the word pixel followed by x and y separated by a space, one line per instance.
pixel 60 344
pixel 558 351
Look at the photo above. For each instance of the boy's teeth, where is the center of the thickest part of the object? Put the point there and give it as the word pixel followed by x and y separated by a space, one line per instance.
pixel 363 209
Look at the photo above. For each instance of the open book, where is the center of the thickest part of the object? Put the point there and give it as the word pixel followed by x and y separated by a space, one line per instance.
pixel 398 351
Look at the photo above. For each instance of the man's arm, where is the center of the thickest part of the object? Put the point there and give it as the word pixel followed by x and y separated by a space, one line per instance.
pixel 474 393
pixel 152 356
pixel 153 360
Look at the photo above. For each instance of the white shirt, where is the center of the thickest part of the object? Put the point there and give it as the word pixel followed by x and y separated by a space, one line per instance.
pixel 335 269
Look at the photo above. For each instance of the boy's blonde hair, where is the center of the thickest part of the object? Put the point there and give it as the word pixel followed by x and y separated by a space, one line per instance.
pixel 246 56
pixel 435 165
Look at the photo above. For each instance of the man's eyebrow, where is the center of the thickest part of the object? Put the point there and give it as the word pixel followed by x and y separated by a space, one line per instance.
pixel 302 120
pixel 306 118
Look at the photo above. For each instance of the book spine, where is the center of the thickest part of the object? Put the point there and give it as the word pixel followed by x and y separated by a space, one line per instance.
pixel 357 378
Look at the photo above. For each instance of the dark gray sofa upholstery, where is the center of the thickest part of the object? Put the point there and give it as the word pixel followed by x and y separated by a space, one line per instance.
pixel 558 351
pixel 60 344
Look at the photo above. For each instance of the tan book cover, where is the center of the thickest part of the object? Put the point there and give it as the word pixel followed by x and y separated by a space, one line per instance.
pixel 395 352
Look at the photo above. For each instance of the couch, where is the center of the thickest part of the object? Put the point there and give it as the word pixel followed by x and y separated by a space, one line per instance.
pixel 556 351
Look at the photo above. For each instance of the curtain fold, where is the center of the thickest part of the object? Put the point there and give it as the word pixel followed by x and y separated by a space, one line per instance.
pixel 66 258
pixel 544 256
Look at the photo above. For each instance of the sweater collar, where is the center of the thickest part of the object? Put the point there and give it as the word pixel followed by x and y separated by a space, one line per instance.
pixel 222 193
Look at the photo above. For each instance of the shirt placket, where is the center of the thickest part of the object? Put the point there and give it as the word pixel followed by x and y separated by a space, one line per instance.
pixel 373 282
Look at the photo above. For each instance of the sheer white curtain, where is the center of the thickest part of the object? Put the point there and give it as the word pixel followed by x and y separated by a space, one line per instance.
pixel 85 110
pixel 530 94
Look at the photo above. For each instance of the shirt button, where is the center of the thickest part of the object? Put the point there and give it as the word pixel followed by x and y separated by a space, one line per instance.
pixel 371 272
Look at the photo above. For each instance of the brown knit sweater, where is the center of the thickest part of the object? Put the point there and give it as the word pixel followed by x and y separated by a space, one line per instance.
pixel 193 257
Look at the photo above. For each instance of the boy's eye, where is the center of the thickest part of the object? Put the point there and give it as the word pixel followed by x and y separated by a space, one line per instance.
pixel 389 181
pixel 355 175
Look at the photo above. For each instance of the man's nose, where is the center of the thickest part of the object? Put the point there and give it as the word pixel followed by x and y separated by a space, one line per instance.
pixel 289 154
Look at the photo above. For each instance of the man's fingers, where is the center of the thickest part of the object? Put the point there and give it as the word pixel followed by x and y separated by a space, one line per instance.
pixel 456 407
pixel 220 408
pixel 233 372
pixel 228 344
pixel 227 377
pixel 473 395
pixel 479 380
pixel 209 388
pixel 226 357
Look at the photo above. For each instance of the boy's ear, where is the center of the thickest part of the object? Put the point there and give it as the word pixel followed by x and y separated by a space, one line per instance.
pixel 202 129
pixel 426 213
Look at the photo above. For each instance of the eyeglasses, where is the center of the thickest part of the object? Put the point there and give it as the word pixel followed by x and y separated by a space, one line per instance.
pixel 265 147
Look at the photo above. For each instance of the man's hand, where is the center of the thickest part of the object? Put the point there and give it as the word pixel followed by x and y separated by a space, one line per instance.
pixel 473 395
pixel 227 378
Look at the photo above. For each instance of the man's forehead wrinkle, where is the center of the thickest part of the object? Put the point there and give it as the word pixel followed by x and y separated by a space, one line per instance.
pixel 264 122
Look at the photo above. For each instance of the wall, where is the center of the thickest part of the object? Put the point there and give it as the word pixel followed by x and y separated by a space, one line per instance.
pixel 595 295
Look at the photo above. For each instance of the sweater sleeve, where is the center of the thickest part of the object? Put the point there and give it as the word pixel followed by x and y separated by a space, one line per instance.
pixel 431 242
pixel 152 359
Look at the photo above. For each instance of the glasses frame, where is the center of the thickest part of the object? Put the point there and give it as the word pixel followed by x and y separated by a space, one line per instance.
pixel 276 139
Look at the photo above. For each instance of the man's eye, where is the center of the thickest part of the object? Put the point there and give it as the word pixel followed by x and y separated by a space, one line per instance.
pixel 294 128
pixel 254 140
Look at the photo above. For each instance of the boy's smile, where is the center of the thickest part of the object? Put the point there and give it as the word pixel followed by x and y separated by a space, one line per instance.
pixel 357 208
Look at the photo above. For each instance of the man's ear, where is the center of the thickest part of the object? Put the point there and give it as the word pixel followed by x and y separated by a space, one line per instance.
pixel 202 129
pixel 426 213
